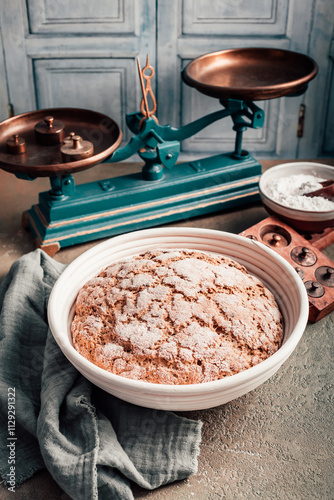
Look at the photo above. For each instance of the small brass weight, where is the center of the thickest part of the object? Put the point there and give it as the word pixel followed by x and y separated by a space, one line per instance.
pixel 75 148
pixel 16 145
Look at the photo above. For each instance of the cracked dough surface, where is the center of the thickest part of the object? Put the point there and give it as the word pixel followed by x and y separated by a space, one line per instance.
pixel 176 316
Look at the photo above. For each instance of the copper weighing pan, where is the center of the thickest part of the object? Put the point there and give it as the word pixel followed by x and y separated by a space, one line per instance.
pixel 250 74
pixel 45 161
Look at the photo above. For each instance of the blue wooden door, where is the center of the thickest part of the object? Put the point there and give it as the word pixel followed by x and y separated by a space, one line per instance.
pixel 190 28
pixel 83 54
pixel 77 54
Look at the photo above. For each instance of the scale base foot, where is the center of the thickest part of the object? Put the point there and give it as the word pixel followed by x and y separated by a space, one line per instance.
pixel 51 249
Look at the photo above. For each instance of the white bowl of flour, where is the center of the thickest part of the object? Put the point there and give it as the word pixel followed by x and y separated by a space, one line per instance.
pixel 283 188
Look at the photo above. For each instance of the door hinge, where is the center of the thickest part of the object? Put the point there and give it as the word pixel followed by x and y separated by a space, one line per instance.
pixel 301 119
pixel 10 108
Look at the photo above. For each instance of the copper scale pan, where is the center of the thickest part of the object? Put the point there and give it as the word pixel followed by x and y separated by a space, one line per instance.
pixel 45 161
pixel 250 74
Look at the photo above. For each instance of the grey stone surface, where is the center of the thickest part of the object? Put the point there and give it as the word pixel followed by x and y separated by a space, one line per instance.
pixel 275 442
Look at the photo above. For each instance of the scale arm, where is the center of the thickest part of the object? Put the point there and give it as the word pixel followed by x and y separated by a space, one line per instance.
pixel 137 141
pixel 169 133
pixel 151 134
pixel 153 131
pixel 254 114
pixel 133 146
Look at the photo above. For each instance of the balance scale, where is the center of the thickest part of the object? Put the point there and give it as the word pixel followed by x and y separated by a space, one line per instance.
pixel 57 143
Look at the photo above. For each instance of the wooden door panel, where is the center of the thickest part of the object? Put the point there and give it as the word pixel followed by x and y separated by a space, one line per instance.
pixel 108 86
pixel 237 17
pixel 82 17
pixel 319 99
pixel 78 53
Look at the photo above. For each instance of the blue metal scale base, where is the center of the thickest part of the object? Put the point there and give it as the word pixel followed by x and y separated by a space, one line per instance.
pixel 127 203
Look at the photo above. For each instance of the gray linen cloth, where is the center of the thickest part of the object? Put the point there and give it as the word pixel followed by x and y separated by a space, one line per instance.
pixel 93 444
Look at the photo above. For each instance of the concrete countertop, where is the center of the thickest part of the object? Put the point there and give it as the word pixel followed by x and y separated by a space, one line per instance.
pixel 275 442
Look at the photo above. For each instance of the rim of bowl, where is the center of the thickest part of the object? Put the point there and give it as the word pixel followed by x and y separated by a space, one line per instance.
pixel 122 242
pixel 274 172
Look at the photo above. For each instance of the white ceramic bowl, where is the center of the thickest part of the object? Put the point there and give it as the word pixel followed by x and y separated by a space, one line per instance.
pixel 302 220
pixel 261 261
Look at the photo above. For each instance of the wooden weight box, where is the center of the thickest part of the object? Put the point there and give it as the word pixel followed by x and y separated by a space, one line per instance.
pixel 314 268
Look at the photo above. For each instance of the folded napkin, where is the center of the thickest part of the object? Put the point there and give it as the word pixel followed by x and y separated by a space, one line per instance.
pixel 93 444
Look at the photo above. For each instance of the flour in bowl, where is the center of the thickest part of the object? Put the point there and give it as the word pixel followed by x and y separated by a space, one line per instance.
pixel 289 191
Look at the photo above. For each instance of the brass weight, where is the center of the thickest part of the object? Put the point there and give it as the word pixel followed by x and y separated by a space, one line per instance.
pixel 75 148
pixel 16 145
pixel 49 132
